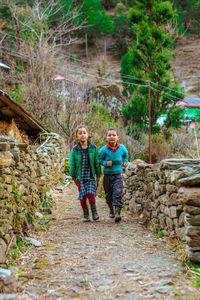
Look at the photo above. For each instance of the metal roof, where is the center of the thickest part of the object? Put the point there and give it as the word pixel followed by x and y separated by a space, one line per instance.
pixel 10 109
pixel 192 102
pixel 4 66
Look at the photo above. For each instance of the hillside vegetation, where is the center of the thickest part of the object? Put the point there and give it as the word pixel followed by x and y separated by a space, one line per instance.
pixel 62 52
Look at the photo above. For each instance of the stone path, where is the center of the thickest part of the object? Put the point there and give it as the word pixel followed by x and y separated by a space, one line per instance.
pixel 100 260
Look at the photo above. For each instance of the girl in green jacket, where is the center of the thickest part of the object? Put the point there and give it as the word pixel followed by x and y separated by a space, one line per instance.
pixel 84 165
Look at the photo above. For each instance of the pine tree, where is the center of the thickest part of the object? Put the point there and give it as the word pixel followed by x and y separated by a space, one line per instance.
pixel 122 34
pixel 90 13
pixel 150 58
pixel 94 14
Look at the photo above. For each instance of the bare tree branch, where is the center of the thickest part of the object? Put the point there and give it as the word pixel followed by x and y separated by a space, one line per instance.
pixel 24 24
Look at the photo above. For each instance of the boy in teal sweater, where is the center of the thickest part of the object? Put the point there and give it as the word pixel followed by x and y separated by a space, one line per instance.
pixel 113 156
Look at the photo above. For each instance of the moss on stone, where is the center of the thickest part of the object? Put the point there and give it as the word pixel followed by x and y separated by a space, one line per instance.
pixel 17 221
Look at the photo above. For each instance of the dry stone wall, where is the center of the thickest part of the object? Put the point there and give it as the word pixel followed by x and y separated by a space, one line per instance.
pixel 166 197
pixel 27 173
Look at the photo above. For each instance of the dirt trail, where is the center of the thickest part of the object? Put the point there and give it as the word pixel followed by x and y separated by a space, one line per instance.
pixel 100 260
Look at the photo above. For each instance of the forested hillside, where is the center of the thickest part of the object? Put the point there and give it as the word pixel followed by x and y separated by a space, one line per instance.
pixel 91 61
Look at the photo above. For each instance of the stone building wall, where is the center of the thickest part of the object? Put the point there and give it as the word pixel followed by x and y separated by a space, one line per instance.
pixel 166 197
pixel 27 173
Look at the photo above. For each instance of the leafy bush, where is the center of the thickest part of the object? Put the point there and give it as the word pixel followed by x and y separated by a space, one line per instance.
pixel 160 149
pixel 183 144
pixel 101 116
pixel 17 93
pixel 176 143
pixel 120 9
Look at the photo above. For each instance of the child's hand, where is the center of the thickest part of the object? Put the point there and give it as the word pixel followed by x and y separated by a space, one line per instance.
pixel 125 164
pixel 76 181
pixel 109 163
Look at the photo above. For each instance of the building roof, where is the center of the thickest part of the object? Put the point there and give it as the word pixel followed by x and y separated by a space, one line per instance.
pixel 4 66
pixel 192 102
pixel 9 109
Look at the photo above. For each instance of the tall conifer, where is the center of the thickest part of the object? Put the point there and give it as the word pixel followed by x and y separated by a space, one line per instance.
pixel 150 58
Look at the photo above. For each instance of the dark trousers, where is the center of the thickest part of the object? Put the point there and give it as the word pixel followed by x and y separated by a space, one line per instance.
pixel 90 197
pixel 113 187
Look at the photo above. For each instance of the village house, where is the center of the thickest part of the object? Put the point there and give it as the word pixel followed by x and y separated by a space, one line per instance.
pixel 16 122
pixel 191 111
pixel 190 114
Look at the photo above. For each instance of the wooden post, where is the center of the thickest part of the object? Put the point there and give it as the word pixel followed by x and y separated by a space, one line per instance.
pixel 105 47
pixel 86 45
pixel 149 94
pixel 196 141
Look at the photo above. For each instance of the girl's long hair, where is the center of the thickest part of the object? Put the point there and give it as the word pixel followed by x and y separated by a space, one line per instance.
pixel 82 126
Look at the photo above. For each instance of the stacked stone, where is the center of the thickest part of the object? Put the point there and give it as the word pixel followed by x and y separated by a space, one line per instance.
pixel 27 173
pixel 191 198
pixel 167 196
pixel 138 187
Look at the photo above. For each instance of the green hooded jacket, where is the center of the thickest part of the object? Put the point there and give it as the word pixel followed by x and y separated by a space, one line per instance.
pixel 75 161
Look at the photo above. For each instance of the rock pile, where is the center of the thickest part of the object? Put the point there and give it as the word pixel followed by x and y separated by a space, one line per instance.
pixel 108 96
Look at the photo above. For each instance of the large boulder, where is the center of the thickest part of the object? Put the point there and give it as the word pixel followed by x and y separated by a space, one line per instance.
pixel 108 96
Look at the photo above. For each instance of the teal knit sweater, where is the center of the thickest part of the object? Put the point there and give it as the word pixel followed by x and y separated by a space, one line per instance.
pixel 118 158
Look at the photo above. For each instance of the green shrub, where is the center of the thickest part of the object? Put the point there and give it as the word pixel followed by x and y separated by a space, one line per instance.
pixel 160 149
pixel 98 123
pixel 173 143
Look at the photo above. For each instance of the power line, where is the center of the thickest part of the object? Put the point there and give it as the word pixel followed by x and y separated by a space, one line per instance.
pixel 141 85
pixel 90 63
pixel 166 87
pixel 165 93
pixel 104 78
pixel 108 79
pixel 85 74
pixel 123 75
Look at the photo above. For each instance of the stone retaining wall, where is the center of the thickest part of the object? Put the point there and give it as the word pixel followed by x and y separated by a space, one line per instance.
pixel 166 196
pixel 27 173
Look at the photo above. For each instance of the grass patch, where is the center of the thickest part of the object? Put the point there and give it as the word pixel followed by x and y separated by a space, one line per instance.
pixel 158 232
pixel 18 248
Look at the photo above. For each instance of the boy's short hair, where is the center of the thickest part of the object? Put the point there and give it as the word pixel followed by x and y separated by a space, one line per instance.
pixel 112 129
